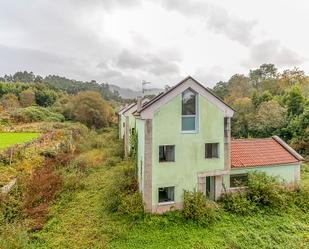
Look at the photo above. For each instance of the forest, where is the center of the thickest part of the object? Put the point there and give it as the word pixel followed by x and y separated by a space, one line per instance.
pixel 268 102
pixel 26 98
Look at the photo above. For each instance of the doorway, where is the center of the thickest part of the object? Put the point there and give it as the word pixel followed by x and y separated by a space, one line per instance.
pixel 210 187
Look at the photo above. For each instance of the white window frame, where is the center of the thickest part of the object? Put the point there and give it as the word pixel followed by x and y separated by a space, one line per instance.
pixel 166 202
pixel 174 153
pixel 191 116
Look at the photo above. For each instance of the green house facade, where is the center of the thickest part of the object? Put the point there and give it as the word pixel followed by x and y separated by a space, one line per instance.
pixel 184 143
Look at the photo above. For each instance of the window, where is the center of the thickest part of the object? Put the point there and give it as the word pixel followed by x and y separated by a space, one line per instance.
pixel 239 180
pixel 189 112
pixel 133 131
pixel 166 194
pixel 123 124
pixel 212 150
pixel 167 153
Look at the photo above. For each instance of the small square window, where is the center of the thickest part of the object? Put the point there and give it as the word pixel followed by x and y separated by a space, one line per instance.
pixel 166 194
pixel 167 153
pixel 238 180
pixel 188 123
pixel 212 150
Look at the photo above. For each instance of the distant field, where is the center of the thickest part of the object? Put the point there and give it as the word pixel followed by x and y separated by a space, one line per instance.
pixel 7 139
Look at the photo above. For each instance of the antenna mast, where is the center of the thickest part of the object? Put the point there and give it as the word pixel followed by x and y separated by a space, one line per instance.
pixel 144 83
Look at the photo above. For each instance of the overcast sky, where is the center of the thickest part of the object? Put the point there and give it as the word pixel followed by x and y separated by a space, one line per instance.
pixel 125 41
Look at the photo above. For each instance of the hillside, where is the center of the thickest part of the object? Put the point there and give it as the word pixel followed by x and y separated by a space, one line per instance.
pixel 127 93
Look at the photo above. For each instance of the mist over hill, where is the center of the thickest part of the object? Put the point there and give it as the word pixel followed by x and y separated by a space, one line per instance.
pixel 127 93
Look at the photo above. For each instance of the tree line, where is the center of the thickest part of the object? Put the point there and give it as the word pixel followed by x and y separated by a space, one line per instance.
pixel 268 103
pixel 69 86
pixel 25 97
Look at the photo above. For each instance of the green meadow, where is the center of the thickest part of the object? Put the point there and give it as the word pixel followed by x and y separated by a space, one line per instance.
pixel 8 139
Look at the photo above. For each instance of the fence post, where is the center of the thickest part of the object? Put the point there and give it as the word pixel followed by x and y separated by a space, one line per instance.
pixel 11 155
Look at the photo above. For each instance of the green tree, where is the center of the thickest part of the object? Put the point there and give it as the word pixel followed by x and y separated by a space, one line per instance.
pixel 244 113
pixel 45 97
pixel 239 86
pixel 27 98
pixel 269 117
pixel 9 102
pixel 221 89
pixel 90 109
pixel 294 101
pixel 23 77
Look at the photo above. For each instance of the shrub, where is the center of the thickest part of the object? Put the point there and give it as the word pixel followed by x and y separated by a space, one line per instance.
pixel 89 108
pixel 300 197
pixel 198 208
pixel 36 113
pixel 39 192
pixel 113 161
pixel 11 205
pixel 265 190
pixel 91 158
pixel 132 205
pixel 124 182
pixel 238 203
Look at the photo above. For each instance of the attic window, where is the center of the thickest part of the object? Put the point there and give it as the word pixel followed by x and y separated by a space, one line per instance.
pixel 189 111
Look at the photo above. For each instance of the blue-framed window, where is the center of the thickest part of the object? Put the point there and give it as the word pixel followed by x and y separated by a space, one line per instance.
pixel 189 111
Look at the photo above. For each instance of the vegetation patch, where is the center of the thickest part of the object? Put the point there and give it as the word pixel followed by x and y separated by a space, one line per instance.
pixel 8 139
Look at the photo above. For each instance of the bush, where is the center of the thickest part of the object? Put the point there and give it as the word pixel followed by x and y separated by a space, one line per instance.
pixel 35 114
pixel 198 208
pixel 265 190
pixel 40 191
pixel 238 203
pixel 132 205
pixel 113 161
pixel 89 108
pixel 11 205
pixel 122 183
pixel 300 197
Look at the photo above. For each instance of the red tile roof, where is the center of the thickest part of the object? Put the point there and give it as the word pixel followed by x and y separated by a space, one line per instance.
pixel 261 152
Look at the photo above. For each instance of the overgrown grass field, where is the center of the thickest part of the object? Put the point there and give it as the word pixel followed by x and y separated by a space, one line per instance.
pixel 8 139
pixel 78 218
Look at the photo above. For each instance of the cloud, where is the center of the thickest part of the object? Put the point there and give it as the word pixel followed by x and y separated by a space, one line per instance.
pixel 216 18
pixel 272 51
pixel 210 76
pixel 147 62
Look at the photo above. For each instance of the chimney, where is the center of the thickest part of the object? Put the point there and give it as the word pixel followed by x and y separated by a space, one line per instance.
pixel 139 104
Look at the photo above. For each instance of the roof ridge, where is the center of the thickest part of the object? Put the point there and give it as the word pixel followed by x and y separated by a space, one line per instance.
pixel 160 95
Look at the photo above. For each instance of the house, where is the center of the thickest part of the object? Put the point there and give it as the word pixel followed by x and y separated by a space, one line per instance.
pixel 122 120
pixel 127 123
pixel 184 143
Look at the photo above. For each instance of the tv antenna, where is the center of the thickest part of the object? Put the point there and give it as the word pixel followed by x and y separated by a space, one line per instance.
pixel 144 83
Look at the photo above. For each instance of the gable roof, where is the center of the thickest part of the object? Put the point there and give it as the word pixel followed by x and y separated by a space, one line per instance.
pixel 262 152
pixel 125 108
pixel 162 94
pixel 133 106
